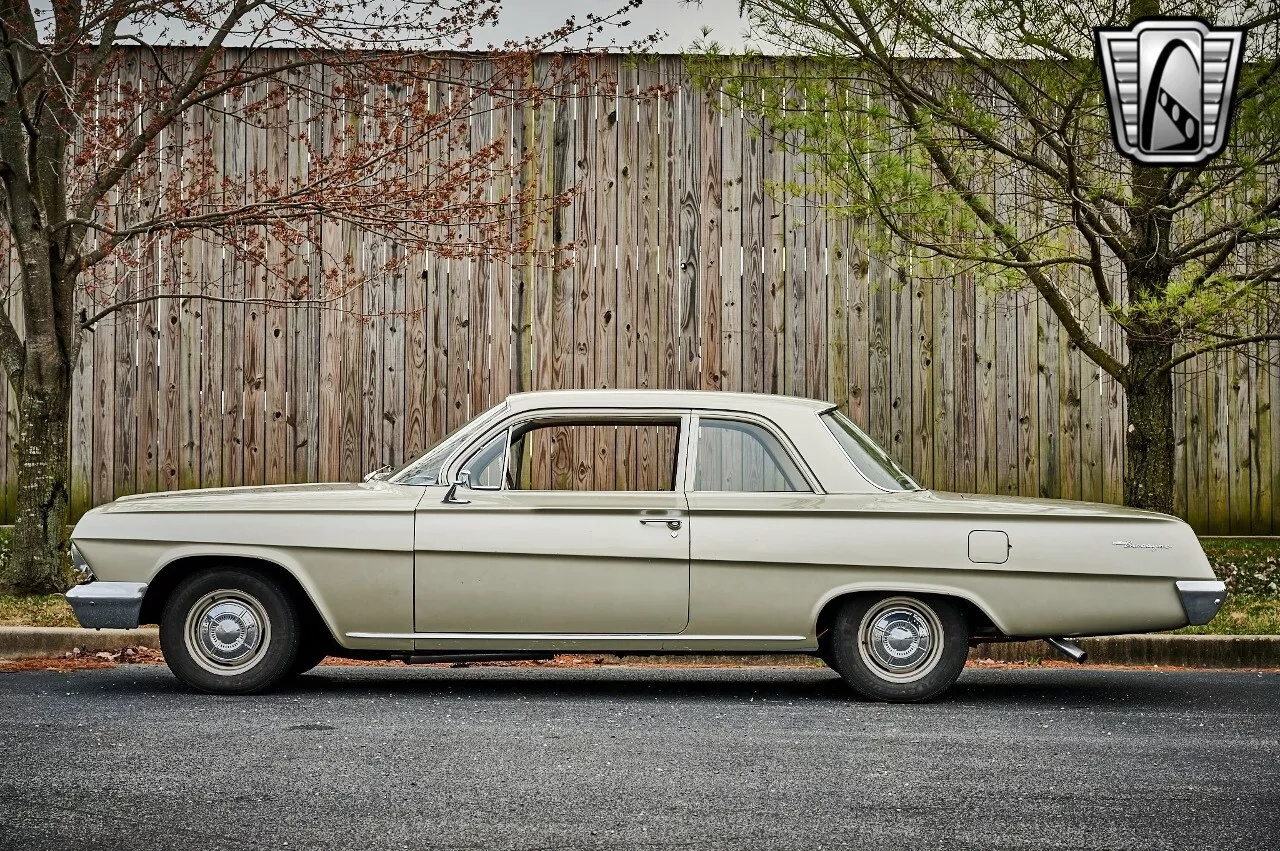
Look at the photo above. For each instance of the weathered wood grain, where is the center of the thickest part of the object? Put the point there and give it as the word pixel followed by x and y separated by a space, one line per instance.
pixel 687 271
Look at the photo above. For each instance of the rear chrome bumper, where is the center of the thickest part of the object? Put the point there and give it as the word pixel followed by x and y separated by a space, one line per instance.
pixel 1201 599
pixel 108 605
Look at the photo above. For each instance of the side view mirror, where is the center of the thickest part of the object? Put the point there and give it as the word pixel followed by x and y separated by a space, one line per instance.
pixel 462 480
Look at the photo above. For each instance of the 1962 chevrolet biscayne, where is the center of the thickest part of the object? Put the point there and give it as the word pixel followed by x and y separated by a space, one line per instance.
pixel 721 523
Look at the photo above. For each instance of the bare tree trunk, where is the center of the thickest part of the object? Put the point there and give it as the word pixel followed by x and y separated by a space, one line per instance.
pixel 37 556
pixel 1148 458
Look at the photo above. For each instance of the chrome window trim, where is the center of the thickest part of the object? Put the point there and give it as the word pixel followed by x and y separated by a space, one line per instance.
pixel 514 420
pixel 506 458
pixel 818 415
pixel 768 425
pixel 477 423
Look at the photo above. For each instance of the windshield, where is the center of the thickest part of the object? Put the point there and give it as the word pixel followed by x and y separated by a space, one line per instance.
pixel 872 461
pixel 426 470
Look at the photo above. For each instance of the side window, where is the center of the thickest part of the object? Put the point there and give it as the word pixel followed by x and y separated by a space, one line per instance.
pixel 743 457
pixel 593 456
pixel 485 466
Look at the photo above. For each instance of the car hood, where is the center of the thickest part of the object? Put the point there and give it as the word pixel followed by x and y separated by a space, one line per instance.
pixel 329 496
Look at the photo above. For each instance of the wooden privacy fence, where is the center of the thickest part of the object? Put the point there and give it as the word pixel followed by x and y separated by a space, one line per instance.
pixel 688 274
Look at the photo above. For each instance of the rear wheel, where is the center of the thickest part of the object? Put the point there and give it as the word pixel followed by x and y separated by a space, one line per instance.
pixel 900 648
pixel 230 631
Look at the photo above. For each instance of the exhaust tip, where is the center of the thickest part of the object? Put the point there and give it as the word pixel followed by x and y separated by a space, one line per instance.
pixel 1069 649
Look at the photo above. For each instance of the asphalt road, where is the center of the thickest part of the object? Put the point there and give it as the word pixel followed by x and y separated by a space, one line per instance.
pixel 564 759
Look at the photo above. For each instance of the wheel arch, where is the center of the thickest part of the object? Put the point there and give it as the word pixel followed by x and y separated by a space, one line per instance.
pixel 179 566
pixel 829 605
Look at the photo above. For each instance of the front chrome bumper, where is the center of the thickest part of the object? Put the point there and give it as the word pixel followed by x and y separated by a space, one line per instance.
pixel 108 605
pixel 1201 599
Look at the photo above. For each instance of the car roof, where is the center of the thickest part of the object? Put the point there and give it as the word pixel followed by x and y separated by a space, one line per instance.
pixel 761 403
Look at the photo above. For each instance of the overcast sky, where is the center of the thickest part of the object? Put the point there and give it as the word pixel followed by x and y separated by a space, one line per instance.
pixel 683 24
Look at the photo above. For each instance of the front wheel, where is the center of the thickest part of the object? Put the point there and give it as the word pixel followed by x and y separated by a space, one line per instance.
pixel 899 648
pixel 230 631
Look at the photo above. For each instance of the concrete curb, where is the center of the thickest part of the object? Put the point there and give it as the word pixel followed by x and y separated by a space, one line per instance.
pixel 1181 651
pixel 1174 651
pixel 41 642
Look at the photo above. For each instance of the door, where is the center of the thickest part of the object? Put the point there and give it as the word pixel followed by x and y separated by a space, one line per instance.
pixel 750 501
pixel 574 524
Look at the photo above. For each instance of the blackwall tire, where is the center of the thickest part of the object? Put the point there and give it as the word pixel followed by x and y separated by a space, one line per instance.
pixel 230 631
pixel 900 648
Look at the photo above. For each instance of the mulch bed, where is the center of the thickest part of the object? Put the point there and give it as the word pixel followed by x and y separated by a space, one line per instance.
pixel 146 656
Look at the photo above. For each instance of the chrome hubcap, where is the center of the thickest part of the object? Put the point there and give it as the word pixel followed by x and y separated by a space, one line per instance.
pixel 227 632
pixel 900 639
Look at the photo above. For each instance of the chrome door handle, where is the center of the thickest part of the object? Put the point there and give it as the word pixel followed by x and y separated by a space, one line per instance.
pixel 673 525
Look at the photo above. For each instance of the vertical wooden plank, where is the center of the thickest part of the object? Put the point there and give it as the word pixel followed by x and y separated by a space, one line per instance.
pixel 943 447
pixel 1240 424
pixel 837 348
pixel 1028 393
pixel 1197 460
pixel 1113 423
pixel 521 326
pixel 461 277
pixel 986 391
pixel 859 312
pixel 500 320
pixel 305 323
pixel 146 284
pixel 581 115
pixel 966 367
pixel 919 417
pixel 732 254
pixel 1069 391
pixel 1091 403
pixel 257 155
pixel 754 228
pixel 98 355
pixel 881 297
pixel 795 271
pixel 902 356
pixel 437 298
pixel 691 104
pixel 482 268
pixel 277 440
pixel 376 321
pixel 817 269
pixel 1007 471
pixel 1216 422
pixel 710 234
pixel 648 296
pixel 192 354
pixel 605 262
pixel 626 474
pixel 542 344
pixel 1260 470
pixel 1049 420
pixel 347 258
pixel 169 431
pixel 775 266
pixel 669 217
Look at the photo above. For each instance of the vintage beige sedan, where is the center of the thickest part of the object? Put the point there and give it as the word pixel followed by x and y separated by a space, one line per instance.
pixel 630 522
